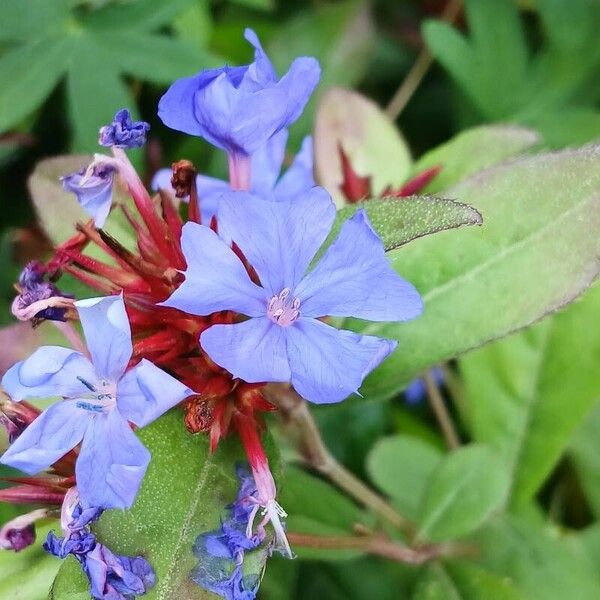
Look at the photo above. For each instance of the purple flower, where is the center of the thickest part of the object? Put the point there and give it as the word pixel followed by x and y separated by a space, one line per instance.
pixel 239 109
pixel 221 552
pixel 416 390
pixel 284 334
pixel 265 167
pixel 123 132
pixel 100 399
pixel 93 187
pixel 19 533
pixel 39 298
pixel 111 576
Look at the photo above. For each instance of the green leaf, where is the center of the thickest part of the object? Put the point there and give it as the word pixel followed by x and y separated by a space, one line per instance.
pixel 464 490
pixel 155 58
pixel 315 507
pixel 527 394
pixel 473 150
pixel 584 452
pixel 28 574
pixel 464 581
pixel 184 493
pixel 475 63
pixel 537 250
pixel 541 564
pixel 95 92
pixel 397 221
pixel 28 74
pixel 401 466
pixel 29 20
pixel 145 15
pixel 58 211
pixel 342 38
pixel 375 149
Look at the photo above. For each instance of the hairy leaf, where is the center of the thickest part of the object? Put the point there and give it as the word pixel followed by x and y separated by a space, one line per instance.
pixel 537 250
pixel 397 221
pixel 473 150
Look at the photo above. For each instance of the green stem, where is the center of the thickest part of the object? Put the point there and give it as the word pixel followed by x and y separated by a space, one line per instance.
pixel 418 71
pixel 379 546
pixel 295 412
pixel 441 412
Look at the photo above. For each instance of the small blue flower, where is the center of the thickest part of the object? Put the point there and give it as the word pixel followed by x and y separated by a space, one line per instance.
pixel 221 552
pixel 111 576
pixel 93 187
pixel 239 109
pixel 266 165
pixel 284 334
pixel 123 132
pixel 100 401
pixel 416 390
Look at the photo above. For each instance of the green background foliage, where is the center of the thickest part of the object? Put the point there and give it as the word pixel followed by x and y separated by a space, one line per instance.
pixel 512 96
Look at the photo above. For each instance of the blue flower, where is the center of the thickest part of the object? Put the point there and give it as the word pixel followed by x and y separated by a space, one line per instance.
pixel 284 334
pixel 239 109
pixel 416 390
pixel 265 168
pixel 123 132
pixel 221 552
pixel 93 187
pixel 111 576
pixel 100 399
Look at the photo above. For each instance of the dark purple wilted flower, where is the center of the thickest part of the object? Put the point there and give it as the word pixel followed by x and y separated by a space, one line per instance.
pixel 19 533
pixel 221 552
pixel 39 298
pixel 123 131
pixel 111 576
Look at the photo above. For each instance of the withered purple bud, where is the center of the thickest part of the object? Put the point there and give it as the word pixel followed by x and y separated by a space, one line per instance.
pixel 19 533
pixel 16 417
pixel 39 298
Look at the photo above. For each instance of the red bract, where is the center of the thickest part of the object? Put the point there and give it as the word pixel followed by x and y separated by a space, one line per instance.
pixel 357 188
pixel 47 490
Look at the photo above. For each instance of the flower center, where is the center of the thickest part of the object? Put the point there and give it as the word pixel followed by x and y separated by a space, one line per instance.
pixel 102 396
pixel 283 309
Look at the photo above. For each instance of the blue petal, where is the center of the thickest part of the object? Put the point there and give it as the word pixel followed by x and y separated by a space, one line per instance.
pixel 107 334
pixel 253 350
pixel 146 392
pixel 355 279
pixel 279 239
pixel 49 371
pixel 328 364
pixel 111 464
pixel 176 107
pixel 261 71
pixel 298 84
pixel 267 161
pixel 299 177
pixel 215 278
pixel 54 433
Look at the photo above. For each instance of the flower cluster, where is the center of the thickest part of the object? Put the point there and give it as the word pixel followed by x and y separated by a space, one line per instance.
pixel 203 313
pixel 111 576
